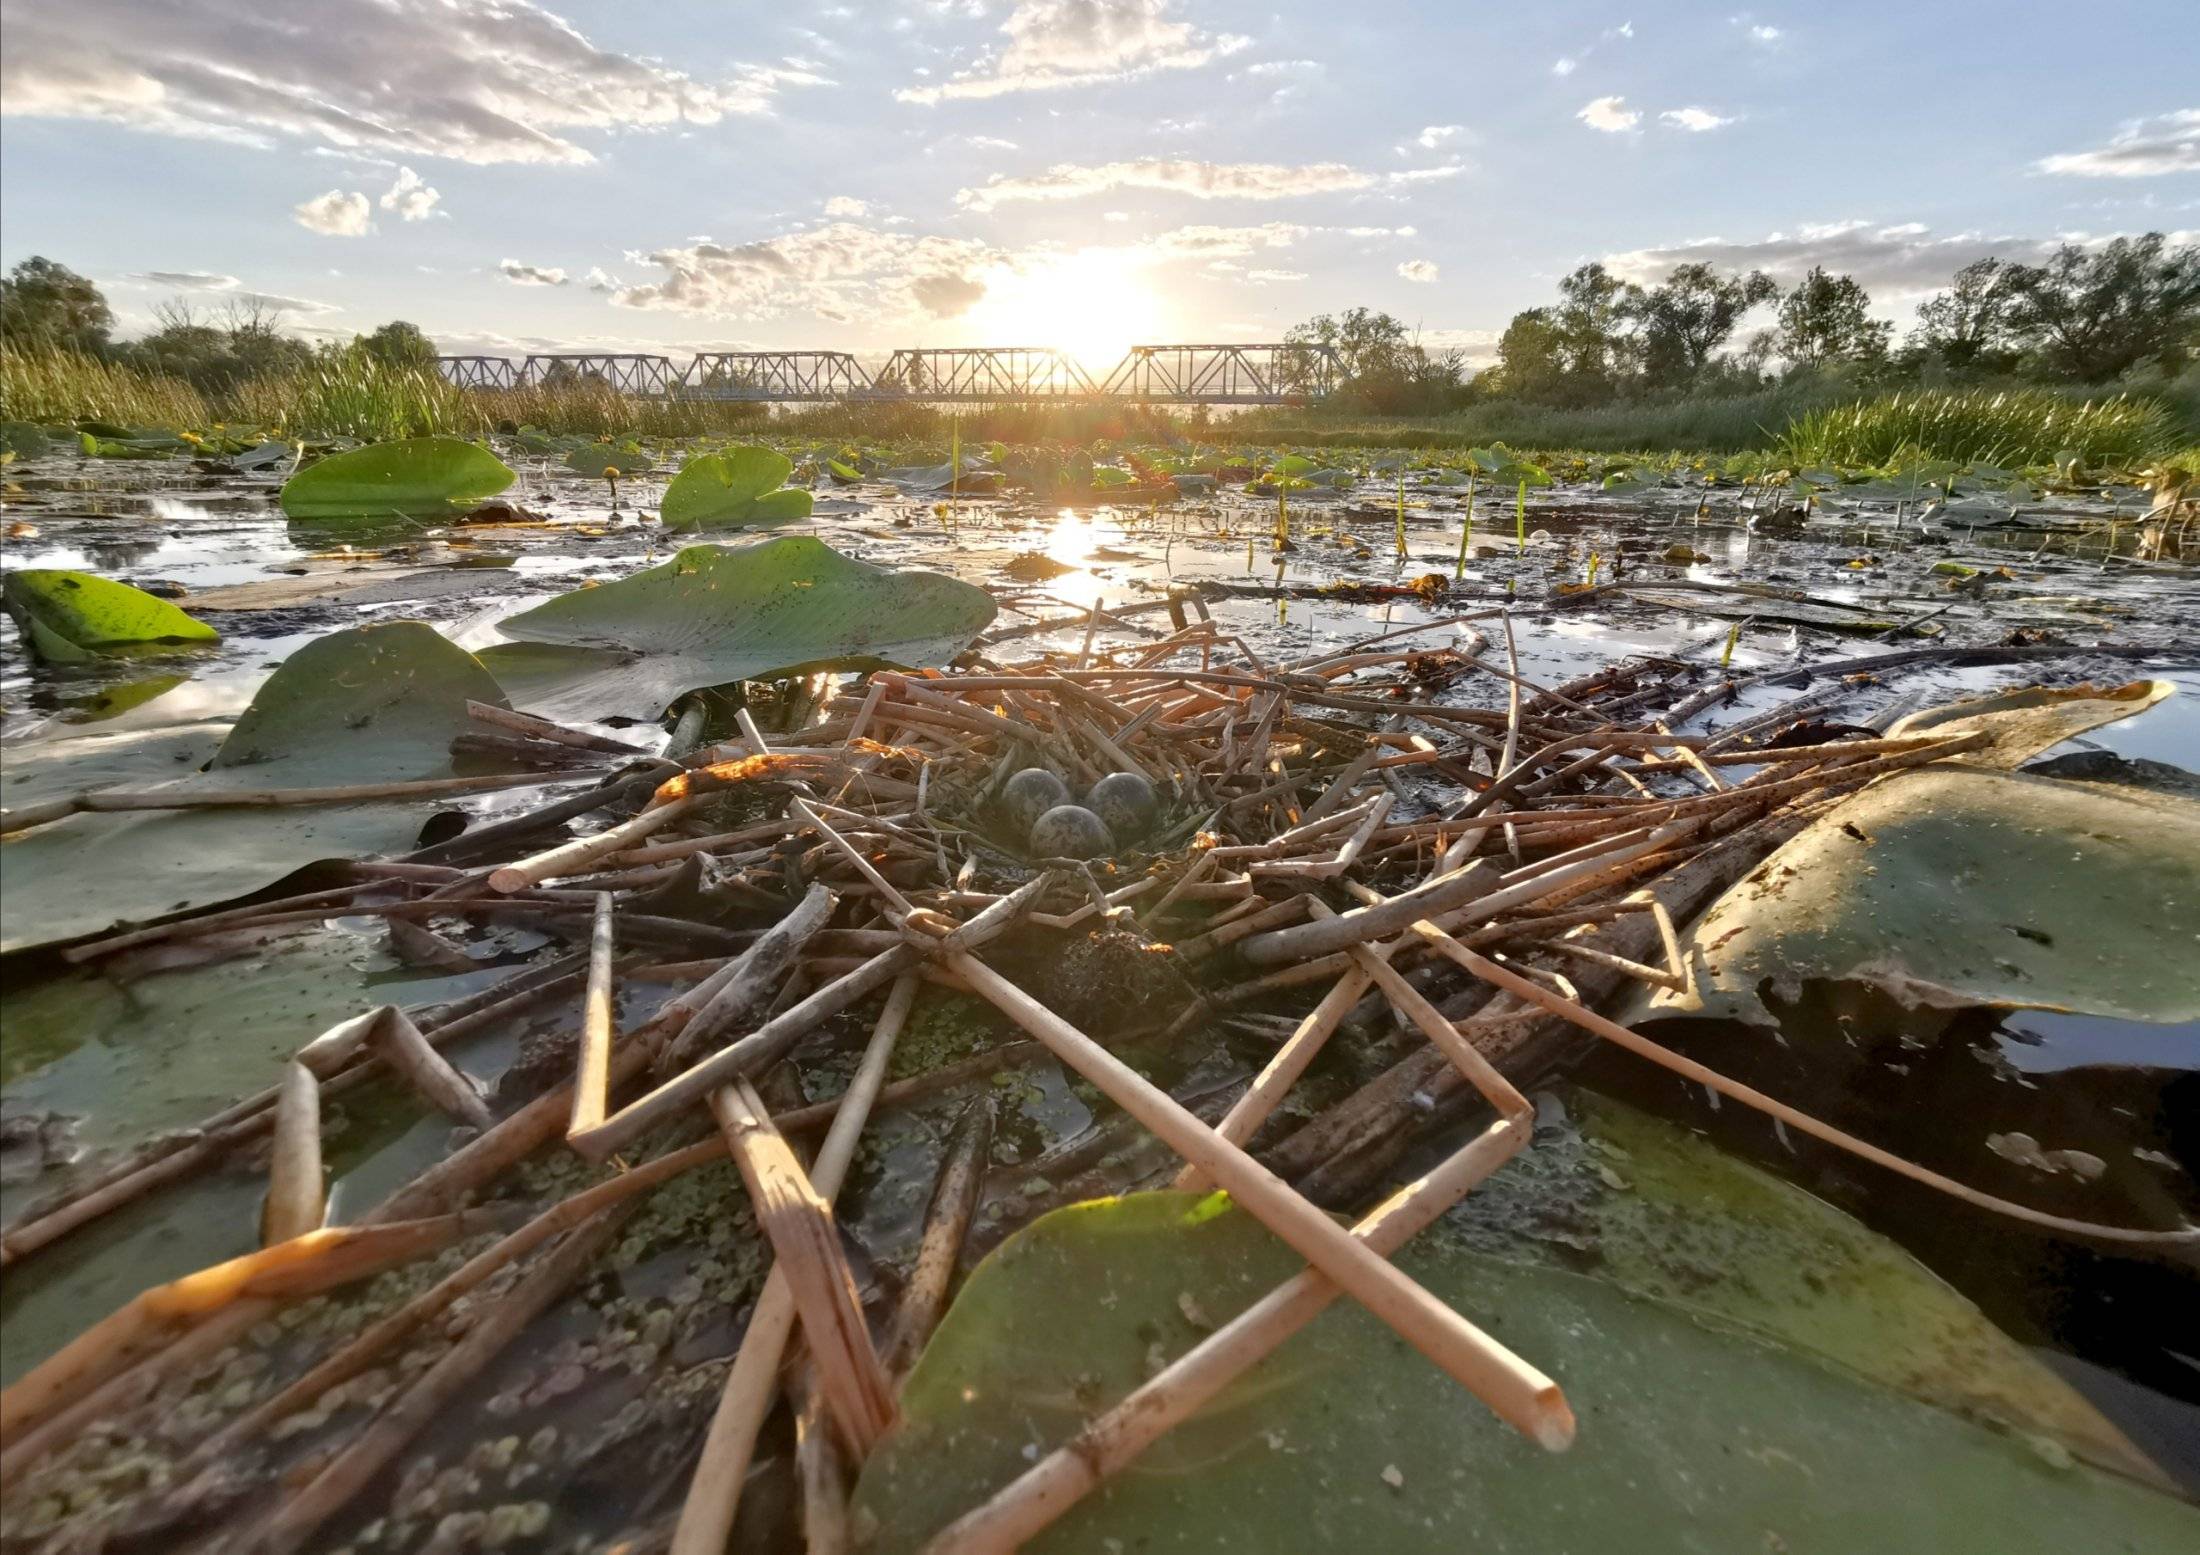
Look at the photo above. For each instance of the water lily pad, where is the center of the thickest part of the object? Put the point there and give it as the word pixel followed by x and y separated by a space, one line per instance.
pixel 73 617
pixel 1959 886
pixel 1694 1436
pixel 419 476
pixel 715 614
pixel 373 704
pixel 601 459
pixel 745 485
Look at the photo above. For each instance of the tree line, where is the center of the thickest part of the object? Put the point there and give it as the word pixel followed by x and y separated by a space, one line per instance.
pixel 2083 315
pixel 47 306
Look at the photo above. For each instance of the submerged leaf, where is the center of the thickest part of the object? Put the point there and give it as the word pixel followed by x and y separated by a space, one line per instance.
pixel 369 705
pixel 714 614
pixel 424 476
pixel 744 485
pixel 71 617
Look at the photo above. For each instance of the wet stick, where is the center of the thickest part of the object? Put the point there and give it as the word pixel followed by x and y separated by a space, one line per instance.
pixel 296 1192
pixel 706 1518
pixel 947 1215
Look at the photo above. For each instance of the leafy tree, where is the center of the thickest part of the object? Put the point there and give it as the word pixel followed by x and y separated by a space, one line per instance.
pixel 1827 318
pixel 2091 314
pixel 1582 351
pixel 1378 362
pixel 214 355
pixel 49 305
pixel 399 344
pixel 1531 358
pixel 1689 315
pixel 1967 326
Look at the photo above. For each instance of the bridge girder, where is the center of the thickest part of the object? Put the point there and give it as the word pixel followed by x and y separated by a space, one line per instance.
pixel 479 372
pixel 1268 373
pixel 774 375
pixel 982 374
pixel 648 376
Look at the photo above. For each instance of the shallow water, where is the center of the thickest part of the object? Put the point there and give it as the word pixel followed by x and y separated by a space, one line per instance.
pixel 169 1046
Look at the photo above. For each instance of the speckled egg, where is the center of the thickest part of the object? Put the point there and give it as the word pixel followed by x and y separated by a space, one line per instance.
pixel 1029 795
pixel 1126 802
pixel 1070 831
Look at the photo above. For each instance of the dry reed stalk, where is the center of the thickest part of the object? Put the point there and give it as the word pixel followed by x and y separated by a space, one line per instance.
pixel 1305 941
pixel 947 1213
pixel 592 1063
pixel 543 729
pixel 1106 1445
pixel 208 923
pixel 752 1383
pixel 297 1193
pixel 763 966
pixel 570 858
pixel 400 1045
pixel 1514 1390
pixel 294 1523
pixel 111 800
pixel 798 1222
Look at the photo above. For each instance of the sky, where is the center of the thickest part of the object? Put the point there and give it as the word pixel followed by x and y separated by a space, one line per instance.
pixel 693 175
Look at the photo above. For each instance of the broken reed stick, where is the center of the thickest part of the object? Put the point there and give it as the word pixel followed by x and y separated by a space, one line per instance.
pixel 763 970
pixel 592 1060
pixel 947 1213
pixel 370 1343
pixel 1106 1445
pixel 294 1524
pixel 1519 1394
pixel 544 729
pixel 764 1046
pixel 752 1383
pixel 297 1193
pixel 1285 1066
pixel 570 858
pixel 798 1222
pixel 111 800
pixel 1665 1058
pixel 303 1265
pixel 434 1077
pixel 821 1470
pixel 1304 941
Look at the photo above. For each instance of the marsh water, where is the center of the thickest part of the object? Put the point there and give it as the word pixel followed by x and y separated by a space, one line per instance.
pixel 94 1064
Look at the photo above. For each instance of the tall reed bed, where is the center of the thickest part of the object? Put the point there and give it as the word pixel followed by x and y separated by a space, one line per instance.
pixel 2008 427
pixel 63 386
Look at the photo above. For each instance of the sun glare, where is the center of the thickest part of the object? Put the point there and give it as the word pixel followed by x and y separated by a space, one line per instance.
pixel 1095 305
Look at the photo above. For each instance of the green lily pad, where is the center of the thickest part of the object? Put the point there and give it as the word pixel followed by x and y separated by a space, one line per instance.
pixel 418 476
pixel 1694 1436
pixel 745 485
pixel 609 459
pixel 24 439
pixel 372 704
pixel 118 448
pixel 1957 886
pixel 73 617
pixel 715 614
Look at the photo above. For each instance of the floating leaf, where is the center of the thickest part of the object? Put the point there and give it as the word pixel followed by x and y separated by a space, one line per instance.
pixel 714 614
pixel 423 476
pixel 23 439
pixel 1694 1436
pixel 73 617
pixel 369 705
pixel 609 459
pixel 745 485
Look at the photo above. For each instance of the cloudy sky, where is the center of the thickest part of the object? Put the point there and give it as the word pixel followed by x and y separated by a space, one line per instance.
pixel 684 174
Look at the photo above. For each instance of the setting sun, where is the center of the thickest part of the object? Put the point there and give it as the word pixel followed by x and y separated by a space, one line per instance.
pixel 1094 304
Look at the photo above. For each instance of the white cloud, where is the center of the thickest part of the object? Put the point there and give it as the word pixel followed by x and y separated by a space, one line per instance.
pixel 531 275
pixel 410 197
pixel 1609 114
pixel 1419 270
pixel 1696 119
pixel 840 271
pixel 601 280
pixel 1263 277
pixel 1889 261
pixel 475 80
pixel 841 205
pixel 1064 43
pixel 185 280
pixel 1224 242
pixel 1435 136
pixel 1564 65
pixel 1422 175
pixel 2144 148
pixel 1765 35
pixel 1200 180
pixel 334 215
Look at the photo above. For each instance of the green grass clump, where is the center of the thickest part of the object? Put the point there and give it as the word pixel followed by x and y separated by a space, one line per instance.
pixel 352 394
pixel 51 387
pixel 2007 427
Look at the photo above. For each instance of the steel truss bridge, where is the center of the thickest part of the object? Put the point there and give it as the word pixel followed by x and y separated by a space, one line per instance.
pixel 1264 374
